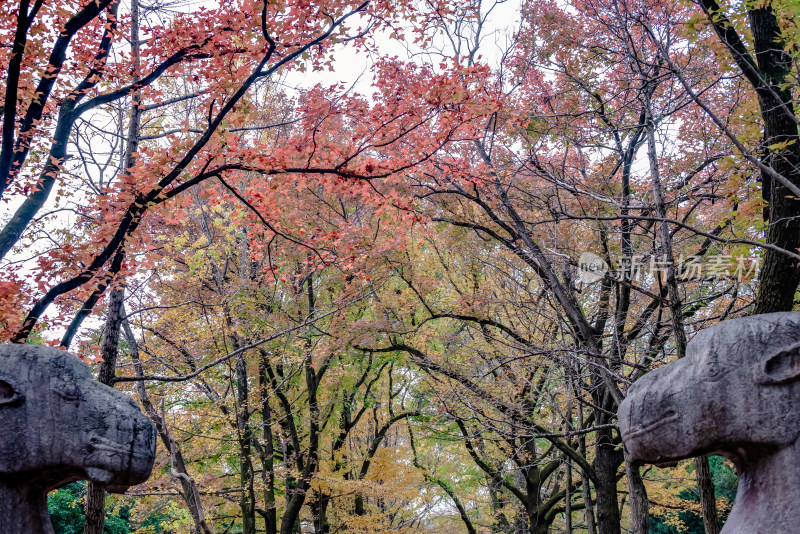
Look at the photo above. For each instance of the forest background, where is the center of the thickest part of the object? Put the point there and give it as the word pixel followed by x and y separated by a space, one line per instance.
pixel 411 301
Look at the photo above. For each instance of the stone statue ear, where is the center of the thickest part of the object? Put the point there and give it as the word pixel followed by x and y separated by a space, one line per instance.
pixel 783 366
pixel 8 395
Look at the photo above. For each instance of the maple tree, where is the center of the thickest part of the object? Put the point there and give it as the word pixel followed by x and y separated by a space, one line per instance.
pixel 206 144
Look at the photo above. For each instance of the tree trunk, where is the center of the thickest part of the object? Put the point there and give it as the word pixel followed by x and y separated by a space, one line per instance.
pixel 319 512
pixel 637 498
pixel 247 499
pixel 568 501
pixel 268 451
pixel 291 516
pixel 95 509
pixel 586 488
pixel 779 275
pixel 705 486
pixel 95 495
pixel 607 460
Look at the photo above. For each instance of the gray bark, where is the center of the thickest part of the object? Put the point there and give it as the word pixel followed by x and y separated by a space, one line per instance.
pixel 95 495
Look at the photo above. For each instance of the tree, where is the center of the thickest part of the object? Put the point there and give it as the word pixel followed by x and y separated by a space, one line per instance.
pixel 196 151
pixel 767 65
pixel 66 513
pixel 502 194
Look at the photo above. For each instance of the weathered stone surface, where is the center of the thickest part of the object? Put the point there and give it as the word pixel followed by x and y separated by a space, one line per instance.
pixel 736 394
pixel 58 425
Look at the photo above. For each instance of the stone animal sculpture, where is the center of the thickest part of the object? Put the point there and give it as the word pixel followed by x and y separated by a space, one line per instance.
pixel 57 425
pixel 736 394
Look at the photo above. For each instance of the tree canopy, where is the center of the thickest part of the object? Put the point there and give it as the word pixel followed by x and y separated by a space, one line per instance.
pixel 384 266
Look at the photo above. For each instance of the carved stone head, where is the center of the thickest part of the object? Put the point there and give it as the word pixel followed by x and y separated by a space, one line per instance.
pixel 58 425
pixel 735 393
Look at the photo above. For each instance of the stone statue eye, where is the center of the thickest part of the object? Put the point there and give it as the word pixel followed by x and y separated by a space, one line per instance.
pixel 68 391
pixel 7 394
